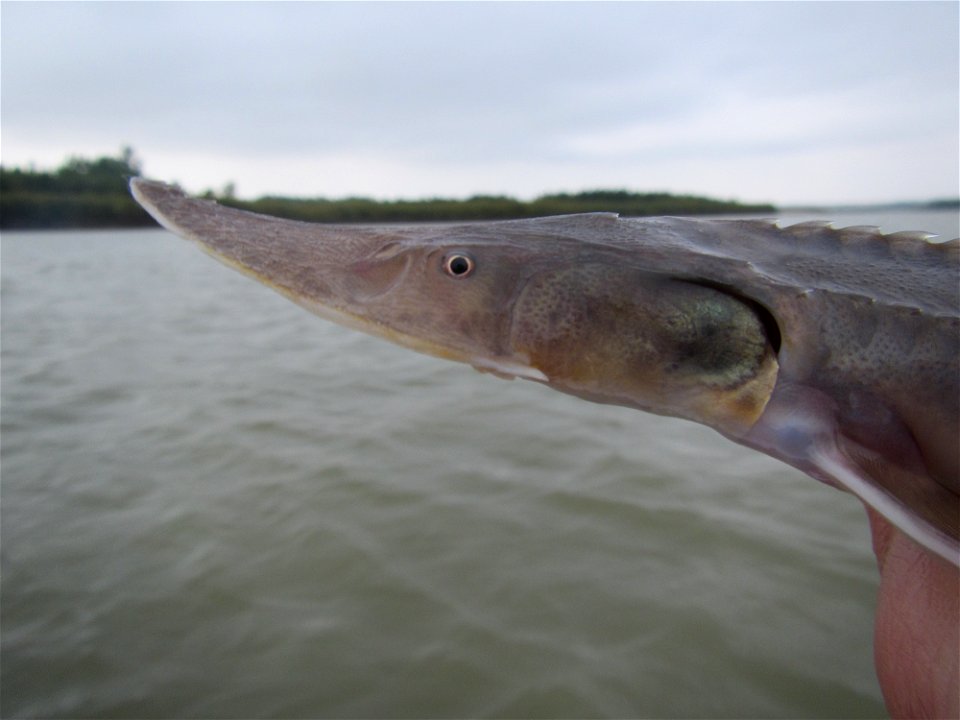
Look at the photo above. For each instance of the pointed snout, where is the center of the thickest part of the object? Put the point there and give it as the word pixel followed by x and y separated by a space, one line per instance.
pixel 377 279
pixel 312 264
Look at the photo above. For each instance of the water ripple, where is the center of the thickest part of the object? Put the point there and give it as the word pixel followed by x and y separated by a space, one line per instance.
pixel 216 505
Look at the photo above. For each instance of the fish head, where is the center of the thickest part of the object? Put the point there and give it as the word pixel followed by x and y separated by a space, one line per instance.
pixel 544 299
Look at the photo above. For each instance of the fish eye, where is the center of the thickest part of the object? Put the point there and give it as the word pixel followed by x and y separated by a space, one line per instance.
pixel 458 265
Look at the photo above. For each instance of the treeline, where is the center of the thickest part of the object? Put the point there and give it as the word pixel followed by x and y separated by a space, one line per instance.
pixel 491 207
pixel 79 194
pixel 93 193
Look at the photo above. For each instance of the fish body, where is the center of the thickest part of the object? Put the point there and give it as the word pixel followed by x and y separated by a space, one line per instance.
pixel 834 350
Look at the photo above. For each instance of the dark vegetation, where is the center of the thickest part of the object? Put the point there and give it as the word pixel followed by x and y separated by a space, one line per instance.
pixel 79 194
pixel 491 207
pixel 93 193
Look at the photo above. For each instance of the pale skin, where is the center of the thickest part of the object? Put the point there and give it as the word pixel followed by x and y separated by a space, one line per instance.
pixel 917 627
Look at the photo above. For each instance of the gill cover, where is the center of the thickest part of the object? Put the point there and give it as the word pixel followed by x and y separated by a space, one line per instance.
pixel 620 335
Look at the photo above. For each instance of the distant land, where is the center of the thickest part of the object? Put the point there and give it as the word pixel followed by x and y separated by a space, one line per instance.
pixel 941 204
pixel 85 193
pixel 92 193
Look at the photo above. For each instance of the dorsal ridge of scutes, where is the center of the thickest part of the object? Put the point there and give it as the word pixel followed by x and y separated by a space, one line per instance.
pixel 905 243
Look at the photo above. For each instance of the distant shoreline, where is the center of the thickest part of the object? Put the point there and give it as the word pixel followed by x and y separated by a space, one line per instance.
pixel 50 211
pixel 26 211
pixel 939 205
pixel 93 194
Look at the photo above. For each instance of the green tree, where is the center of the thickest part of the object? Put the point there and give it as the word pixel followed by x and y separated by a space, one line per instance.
pixel 80 193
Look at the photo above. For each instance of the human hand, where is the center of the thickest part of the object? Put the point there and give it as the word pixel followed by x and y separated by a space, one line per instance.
pixel 917 627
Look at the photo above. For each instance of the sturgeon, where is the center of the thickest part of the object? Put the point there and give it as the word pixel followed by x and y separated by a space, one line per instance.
pixel 836 351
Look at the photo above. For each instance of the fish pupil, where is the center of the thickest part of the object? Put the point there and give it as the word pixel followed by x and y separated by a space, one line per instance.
pixel 459 265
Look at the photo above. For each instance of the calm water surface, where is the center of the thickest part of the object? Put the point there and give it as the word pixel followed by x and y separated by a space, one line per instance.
pixel 217 505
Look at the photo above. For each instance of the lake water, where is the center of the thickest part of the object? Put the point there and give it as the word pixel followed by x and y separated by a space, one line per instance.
pixel 217 505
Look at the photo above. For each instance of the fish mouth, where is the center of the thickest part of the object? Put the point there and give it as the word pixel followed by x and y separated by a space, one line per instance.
pixel 508 369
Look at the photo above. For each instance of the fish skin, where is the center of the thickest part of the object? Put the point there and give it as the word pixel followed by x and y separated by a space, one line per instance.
pixel 846 354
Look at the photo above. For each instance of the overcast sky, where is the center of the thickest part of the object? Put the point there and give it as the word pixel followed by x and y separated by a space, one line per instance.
pixel 782 102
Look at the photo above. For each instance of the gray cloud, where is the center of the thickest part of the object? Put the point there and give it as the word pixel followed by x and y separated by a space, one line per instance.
pixel 453 98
